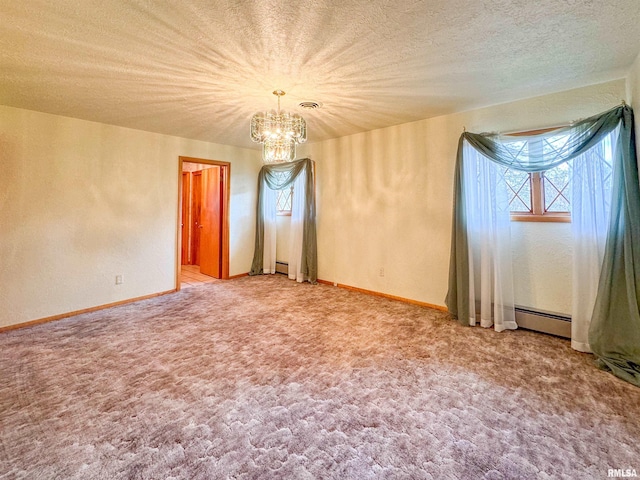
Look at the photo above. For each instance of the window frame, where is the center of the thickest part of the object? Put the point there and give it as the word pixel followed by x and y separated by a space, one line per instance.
pixel 538 213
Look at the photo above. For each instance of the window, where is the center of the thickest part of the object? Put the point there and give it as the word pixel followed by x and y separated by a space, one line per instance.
pixel 541 196
pixel 283 201
pixel 284 196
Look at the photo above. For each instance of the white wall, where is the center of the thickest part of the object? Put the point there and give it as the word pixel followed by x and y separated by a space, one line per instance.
pixel 82 202
pixel 385 202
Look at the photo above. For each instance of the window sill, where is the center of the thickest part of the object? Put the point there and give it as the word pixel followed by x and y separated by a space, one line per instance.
pixel 284 213
pixel 559 217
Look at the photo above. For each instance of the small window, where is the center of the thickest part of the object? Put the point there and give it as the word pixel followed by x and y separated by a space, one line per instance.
pixel 284 196
pixel 283 201
pixel 540 196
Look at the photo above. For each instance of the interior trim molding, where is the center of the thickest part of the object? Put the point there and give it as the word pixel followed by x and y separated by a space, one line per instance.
pixel 60 316
pixel 385 295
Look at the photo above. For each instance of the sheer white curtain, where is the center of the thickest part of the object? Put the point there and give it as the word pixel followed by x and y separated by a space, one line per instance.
pixel 297 228
pixel 269 215
pixel 488 226
pixel 271 179
pixel 269 211
pixel 590 214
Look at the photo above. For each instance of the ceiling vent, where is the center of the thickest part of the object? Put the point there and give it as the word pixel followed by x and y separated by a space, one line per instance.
pixel 310 105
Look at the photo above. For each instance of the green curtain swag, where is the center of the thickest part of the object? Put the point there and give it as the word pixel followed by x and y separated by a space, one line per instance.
pixel 614 333
pixel 277 177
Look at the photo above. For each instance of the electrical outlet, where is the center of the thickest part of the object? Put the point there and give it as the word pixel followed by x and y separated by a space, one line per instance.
pixel 118 279
pixel 382 271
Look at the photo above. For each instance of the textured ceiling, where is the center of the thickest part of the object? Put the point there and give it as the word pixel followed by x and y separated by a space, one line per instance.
pixel 200 69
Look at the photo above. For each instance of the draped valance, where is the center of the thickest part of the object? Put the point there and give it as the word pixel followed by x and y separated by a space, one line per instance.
pixel 277 177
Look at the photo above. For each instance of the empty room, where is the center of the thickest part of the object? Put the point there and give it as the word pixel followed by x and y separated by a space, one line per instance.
pixel 319 240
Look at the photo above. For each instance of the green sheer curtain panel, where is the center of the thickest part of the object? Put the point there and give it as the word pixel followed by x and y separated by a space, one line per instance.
pixel 277 177
pixel 614 332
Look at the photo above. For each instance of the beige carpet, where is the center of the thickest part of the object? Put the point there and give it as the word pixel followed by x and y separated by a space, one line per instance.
pixel 265 378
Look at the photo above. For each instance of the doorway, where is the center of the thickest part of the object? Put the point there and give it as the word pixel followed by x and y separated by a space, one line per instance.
pixel 203 220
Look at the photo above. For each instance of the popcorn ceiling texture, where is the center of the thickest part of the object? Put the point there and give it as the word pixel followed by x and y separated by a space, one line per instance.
pixel 262 377
pixel 199 69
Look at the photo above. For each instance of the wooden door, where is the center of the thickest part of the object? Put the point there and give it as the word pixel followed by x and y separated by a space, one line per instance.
pixel 196 211
pixel 184 224
pixel 211 222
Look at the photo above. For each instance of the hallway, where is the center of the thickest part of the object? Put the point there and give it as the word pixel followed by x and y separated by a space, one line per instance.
pixel 190 276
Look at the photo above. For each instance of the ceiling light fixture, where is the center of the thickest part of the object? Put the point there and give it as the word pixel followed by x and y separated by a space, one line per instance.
pixel 279 132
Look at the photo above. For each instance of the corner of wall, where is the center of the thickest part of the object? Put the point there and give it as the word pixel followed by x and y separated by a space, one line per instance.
pixel 633 95
pixel 633 83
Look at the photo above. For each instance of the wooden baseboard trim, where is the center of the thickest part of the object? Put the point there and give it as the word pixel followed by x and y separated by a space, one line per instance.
pixel 385 295
pixel 53 318
pixel 238 276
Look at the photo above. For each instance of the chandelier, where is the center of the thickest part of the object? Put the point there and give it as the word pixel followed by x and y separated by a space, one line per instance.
pixel 278 132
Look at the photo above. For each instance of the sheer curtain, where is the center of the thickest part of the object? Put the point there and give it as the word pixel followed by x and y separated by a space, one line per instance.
pixel 614 334
pixel 488 223
pixel 606 211
pixel 590 216
pixel 269 214
pixel 303 243
pixel 296 230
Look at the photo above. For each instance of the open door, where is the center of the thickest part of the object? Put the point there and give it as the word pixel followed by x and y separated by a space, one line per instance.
pixel 203 216
pixel 211 222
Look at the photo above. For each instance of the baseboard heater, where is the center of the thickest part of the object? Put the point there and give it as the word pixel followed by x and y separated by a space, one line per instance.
pixel 282 267
pixel 545 322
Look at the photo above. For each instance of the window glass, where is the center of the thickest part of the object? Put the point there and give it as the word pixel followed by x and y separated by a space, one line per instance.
pixel 519 185
pixel 283 200
pixel 557 193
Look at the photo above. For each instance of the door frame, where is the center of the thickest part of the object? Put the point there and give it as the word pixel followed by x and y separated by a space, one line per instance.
pixel 225 172
pixel 195 200
pixel 186 185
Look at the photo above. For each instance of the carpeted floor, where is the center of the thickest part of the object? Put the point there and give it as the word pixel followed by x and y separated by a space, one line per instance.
pixel 262 377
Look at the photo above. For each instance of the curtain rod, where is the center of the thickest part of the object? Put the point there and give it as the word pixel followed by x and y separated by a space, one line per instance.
pixel 536 131
pixel 545 129
pixel 573 122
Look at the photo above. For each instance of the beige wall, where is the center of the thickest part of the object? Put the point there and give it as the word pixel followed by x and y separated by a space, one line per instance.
pixel 633 96
pixel 82 202
pixel 385 202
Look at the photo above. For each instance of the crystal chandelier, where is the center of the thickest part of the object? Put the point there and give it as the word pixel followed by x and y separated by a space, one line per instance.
pixel 278 132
